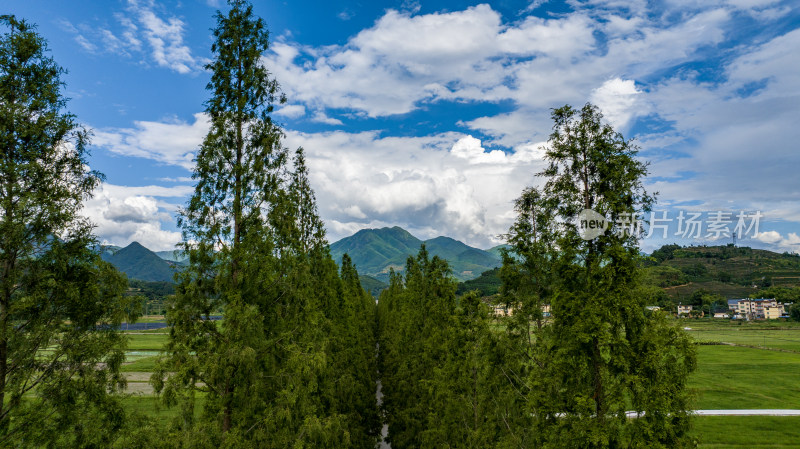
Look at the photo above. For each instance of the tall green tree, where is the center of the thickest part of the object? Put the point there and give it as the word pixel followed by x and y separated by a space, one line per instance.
pixel 467 382
pixel 414 314
pixel 351 382
pixel 604 353
pixel 528 279
pixel 227 234
pixel 60 305
pixel 257 254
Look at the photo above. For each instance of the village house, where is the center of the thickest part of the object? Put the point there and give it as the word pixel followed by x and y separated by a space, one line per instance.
pixel 756 309
pixel 502 310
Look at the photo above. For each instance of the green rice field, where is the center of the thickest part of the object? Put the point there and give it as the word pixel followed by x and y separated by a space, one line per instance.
pixel 753 365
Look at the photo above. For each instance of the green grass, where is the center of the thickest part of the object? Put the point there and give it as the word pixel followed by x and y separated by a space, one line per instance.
pixel 150 319
pixel 783 335
pixel 759 432
pixel 149 406
pixel 144 364
pixel 730 377
pixel 146 341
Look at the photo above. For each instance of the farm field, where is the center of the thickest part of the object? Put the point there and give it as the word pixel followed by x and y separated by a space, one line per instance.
pixel 777 335
pixel 764 376
pixel 759 432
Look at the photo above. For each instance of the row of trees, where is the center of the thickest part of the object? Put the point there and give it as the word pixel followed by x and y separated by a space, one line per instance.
pixel 292 364
pixel 452 378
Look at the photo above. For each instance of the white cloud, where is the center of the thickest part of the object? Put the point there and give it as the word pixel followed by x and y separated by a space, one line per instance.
pixel 406 60
pixel 138 209
pixel 769 237
pixel 165 36
pixel 123 214
pixel 617 99
pixel 470 148
pixel 355 212
pixel 740 136
pixel 777 242
pixel 736 130
pixel 444 184
pixel 143 22
pixel 173 143
pixel 292 111
pixel 321 117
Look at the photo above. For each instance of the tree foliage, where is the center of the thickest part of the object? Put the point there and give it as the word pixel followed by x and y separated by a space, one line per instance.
pixel 439 361
pixel 60 304
pixel 292 362
pixel 602 353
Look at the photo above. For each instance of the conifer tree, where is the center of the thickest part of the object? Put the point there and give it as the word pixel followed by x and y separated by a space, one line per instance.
pixel 415 312
pixel 240 262
pixel 258 255
pixel 466 382
pixel 603 352
pixel 60 304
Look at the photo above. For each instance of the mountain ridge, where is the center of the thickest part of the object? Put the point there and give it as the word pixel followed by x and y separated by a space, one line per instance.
pixel 138 262
pixel 376 251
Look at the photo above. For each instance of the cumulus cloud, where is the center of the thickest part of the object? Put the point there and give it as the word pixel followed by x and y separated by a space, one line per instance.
pixel 405 59
pixel 739 137
pixel 721 142
pixel 123 214
pixel 775 240
pixel 138 209
pixel 617 99
pixel 292 111
pixel 173 143
pixel 445 184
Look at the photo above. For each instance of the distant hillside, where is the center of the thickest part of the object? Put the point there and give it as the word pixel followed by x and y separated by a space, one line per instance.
pixel 175 256
pixel 732 272
pixel 106 251
pixel 376 251
pixel 487 284
pixel 138 262
pixel 372 285
pixel 498 250
pixel 726 270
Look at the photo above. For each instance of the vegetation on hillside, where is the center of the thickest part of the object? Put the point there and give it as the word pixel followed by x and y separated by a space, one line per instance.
pixel 377 251
pixel 138 262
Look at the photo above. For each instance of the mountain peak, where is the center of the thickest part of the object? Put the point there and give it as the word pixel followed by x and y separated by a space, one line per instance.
pixel 138 262
pixel 376 251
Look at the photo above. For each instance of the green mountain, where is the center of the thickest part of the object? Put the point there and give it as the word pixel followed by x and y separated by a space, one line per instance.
pixel 175 256
pixel 138 262
pixel 730 271
pixel 372 285
pixel 376 251
pixel 681 272
pixel 497 250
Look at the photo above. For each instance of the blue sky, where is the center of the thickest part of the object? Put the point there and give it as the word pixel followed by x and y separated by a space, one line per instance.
pixel 432 115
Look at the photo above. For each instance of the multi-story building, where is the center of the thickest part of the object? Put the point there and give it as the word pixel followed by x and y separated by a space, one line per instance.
pixel 755 309
pixel 684 310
